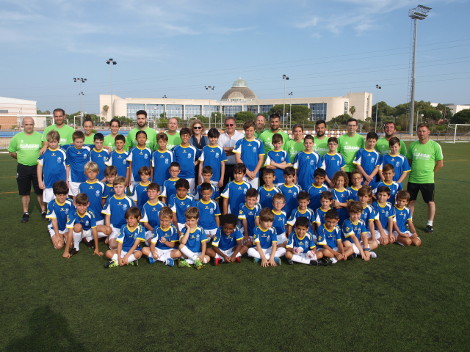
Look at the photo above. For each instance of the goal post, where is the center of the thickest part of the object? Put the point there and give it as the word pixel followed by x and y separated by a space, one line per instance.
pixel 456 126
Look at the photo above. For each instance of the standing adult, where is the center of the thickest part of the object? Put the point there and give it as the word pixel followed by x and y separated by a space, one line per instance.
pixel 295 145
pixel 267 136
pixel 382 145
pixel 349 144
pixel 25 148
pixel 142 126
pixel 114 126
pixel 426 158
pixel 227 140
pixel 260 125
pixel 198 141
pixel 320 141
pixel 65 131
pixel 172 133
pixel 88 127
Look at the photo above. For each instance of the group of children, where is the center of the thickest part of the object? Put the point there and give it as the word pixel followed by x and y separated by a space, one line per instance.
pixel 147 203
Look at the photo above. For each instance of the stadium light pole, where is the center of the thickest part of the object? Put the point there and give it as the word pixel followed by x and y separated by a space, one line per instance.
pixel 290 110
pixel 284 78
pixel 111 62
pixel 80 80
pixel 377 106
pixel 418 13
pixel 209 88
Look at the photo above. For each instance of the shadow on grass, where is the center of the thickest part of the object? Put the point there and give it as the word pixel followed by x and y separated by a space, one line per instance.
pixel 48 331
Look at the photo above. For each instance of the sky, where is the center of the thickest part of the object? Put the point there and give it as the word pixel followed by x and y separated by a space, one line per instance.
pixel 177 47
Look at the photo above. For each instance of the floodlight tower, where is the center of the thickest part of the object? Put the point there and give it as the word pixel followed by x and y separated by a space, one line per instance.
pixel 209 88
pixel 377 105
pixel 418 13
pixel 284 78
pixel 111 62
pixel 80 80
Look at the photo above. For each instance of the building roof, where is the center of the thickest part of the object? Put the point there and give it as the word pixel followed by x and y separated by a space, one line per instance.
pixel 239 91
pixel 6 100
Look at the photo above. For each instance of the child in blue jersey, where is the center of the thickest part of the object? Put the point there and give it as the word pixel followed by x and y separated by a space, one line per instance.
pixel 207 178
pixel 404 229
pixel 130 237
pixel 77 156
pixel 326 202
pixel 268 190
pixel 169 188
pixel 114 210
pixel 164 239
pixel 139 190
pixel 356 184
pixel 150 210
pixel 301 210
pixel 250 151
pixel 290 190
pixel 193 241
pixel 139 156
pixel 329 240
pixel 332 162
pixel 180 202
pixel 118 158
pixel 368 160
pixel 277 159
pixel 99 155
pixel 110 173
pixel 305 163
pixel 400 163
pixel 51 166
pixel 249 215
pixel 369 216
pixel 209 211
pixel 265 241
pixel 355 232
pixel 213 156
pixel 227 243
pixel 317 188
pixel 234 192
pixel 341 195
pixel 161 160
pixel 301 246
pixel 386 214
pixel 57 211
pixel 186 156
pixel 280 219
pixel 388 173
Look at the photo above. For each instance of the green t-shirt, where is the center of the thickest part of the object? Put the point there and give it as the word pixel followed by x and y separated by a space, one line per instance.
pixel 151 138
pixel 383 147
pixel 89 139
pixel 423 159
pixel 65 133
pixel 257 134
pixel 292 148
pixel 27 147
pixel 267 138
pixel 348 147
pixel 173 140
pixel 320 145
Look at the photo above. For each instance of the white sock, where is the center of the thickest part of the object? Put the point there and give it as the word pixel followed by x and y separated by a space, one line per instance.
pixel 131 258
pixel 300 258
pixel 187 252
pixel 77 237
pixel 430 222
pixel 164 257
pixel 115 257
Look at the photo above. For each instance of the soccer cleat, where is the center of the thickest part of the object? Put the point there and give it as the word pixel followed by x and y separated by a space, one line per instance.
pixel 238 259
pixel 170 262
pixel 25 218
pixel 429 229
pixel 73 251
pixel 43 215
pixel 314 262
pixel 256 260
pixel 217 261
pixel 134 263
pixel 334 260
pixel 277 260
pixel 373 255
pixel 198 264
pixel 183 264
pixel 89 244
pixel 290 262
pixel 326 261
pixel 111 264
pixel 151 260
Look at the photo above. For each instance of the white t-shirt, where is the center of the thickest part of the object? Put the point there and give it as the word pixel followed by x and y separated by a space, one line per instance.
pixel 226 141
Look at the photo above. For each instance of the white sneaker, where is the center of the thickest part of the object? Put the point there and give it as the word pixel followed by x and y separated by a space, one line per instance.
pixel 334 260
pixel 373 255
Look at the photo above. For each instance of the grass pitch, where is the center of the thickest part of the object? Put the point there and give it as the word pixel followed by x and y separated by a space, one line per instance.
pixel 409 299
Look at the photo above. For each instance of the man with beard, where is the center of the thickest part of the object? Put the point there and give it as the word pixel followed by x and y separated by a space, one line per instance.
pixel 260 124
pixel 65 131
pixel 267 136
pixel 142 126
pixel 174 138
pixel 320 140
pixel 382 145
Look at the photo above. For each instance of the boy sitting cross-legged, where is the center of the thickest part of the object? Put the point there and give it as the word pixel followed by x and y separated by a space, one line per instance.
pixel 301 245
pixel 404 229
pixel 193 241
pixel 227 244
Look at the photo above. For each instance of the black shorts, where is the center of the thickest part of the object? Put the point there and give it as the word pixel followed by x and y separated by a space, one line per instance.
pixel 25 177
pixel 427 191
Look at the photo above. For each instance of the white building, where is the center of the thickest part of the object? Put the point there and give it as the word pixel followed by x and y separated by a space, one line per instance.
pixel 13 110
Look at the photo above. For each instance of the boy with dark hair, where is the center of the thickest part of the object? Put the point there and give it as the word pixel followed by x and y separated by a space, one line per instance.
pixel 139 156
pixel 356 183
pixel 301 210
pixel 139 190
pixel 99 155
pixel 268 190
pixel 329 239
pixel 369 216
pixel 161 160
pixel 301 246
pixel 404 229
pixel 227 243
pixel 280 219
pixel 207 178
pixel 326 201
pixel 400 163
pixel 277 159
pixel 213 156
pixel 332 162
pixel 169 185
pixel 368 160
pixel 209 211
pixel 386 214
pixel 290 190
pixel 186 156
pixel 317 187
pixel 234 192
pixel 180 202
pixel 150 210
pixel 118 157
pixel 77 156
pixel 388 172
pixel 249 213
pixel 306 162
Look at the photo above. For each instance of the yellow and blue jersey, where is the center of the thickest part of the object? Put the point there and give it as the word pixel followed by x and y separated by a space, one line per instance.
pixel 186 157
pixel 341 197
pixel 170 234
pixel 179 205
pixel 265 238
pixel 328 237
pixel 402 215
pixel 369 160
pixel 139 157
pixel 278 156
pixel 369 214
pixel 399 162
pixel 76 159
pixel 306 163
pixel 280 222
pixel 353 194
pixel 290 194
pixel 53 163
pixel 332 163
pixel 119 161
pixel 225 242
pixel 213 156
pixel 320 216
pixel 350 229
pixel 95 192
pixel 249 151
pixel 297 213
pixel 169 188
pixel 394 188
pixel 59 211
pixel 250 215
pixel 116 207
pixel 100 157
pixel 207 213
pixel 306 243
pixel 128 237
pixel 385 212
pixel 196 237
pixel 161 161
pixel 266 196
pixel 87 220
pixel 108 190
pixel 315 193
pixel 139 194
pixel 150 212
pixel 235 192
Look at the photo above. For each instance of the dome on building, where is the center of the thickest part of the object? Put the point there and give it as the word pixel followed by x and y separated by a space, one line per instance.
pixel 239 91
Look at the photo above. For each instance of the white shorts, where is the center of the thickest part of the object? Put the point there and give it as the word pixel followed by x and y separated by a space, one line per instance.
pixel 253 252
pixel 377 235
pixel 48 195
pixel 161 253
pixel 254 182
pixel 114 233
pixel 281 238
pixel 227 252
pixel 73 191
pixel 210 233
pixel 52 232
pixel 406 233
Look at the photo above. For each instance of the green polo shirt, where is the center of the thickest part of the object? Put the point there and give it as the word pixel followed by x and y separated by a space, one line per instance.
pixel 348 147
pixel 65 133
pixel 423 159
pixel 27 147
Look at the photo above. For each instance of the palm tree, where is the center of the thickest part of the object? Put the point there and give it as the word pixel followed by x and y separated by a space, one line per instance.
pixel 352 110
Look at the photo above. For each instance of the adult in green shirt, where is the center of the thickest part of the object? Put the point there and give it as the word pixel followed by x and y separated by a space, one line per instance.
pixel 320 141
pixel 349 144
pixel 260 125
pixel 382 145
pixel 293 146
pixel 109 140
pixel 25 147
pixel 267 136
pixel 174 138
pixel 426 158
pixel 142 126
pixel 60 126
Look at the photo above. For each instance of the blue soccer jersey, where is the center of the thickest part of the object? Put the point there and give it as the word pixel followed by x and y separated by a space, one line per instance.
pixel 179 205
pixel 87 220
pixel 213 156
pixel 95 192
pixel 350 229
pixel 186 157
pixel 306 243
pixel 266 196
pixel 320 216
pixel 139 194
pixel 368 215
pixel 215 192
pixel 332 163
pixel 278 156
pixel 161 161
pixel 341 197
pixel 280 222
pixel 297 213
pixel 150 213
pixel 250 215
pixel 353 194
pixel 328 237
pixel 394 188
pixel 385 212
pixel 116 207
pixel 225 242
pixel 207 213
pixel 108 190
pixel 402 215
pixel 249 151
pixel 59 211
pixel 369 160
pixel 76 160
pixel 195 239
pixel 119 161
pixel 399 162
pixel 266 238
pixel 169 188
pixel 235 192
pixel 306 163
pixel 315 194
pixel 53 163
pixel 170 235
pixel 128 237
pixel 139 157
pixel 100 157
pixel 290 194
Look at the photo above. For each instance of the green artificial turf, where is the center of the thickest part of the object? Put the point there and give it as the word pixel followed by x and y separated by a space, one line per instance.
pixel 409 299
